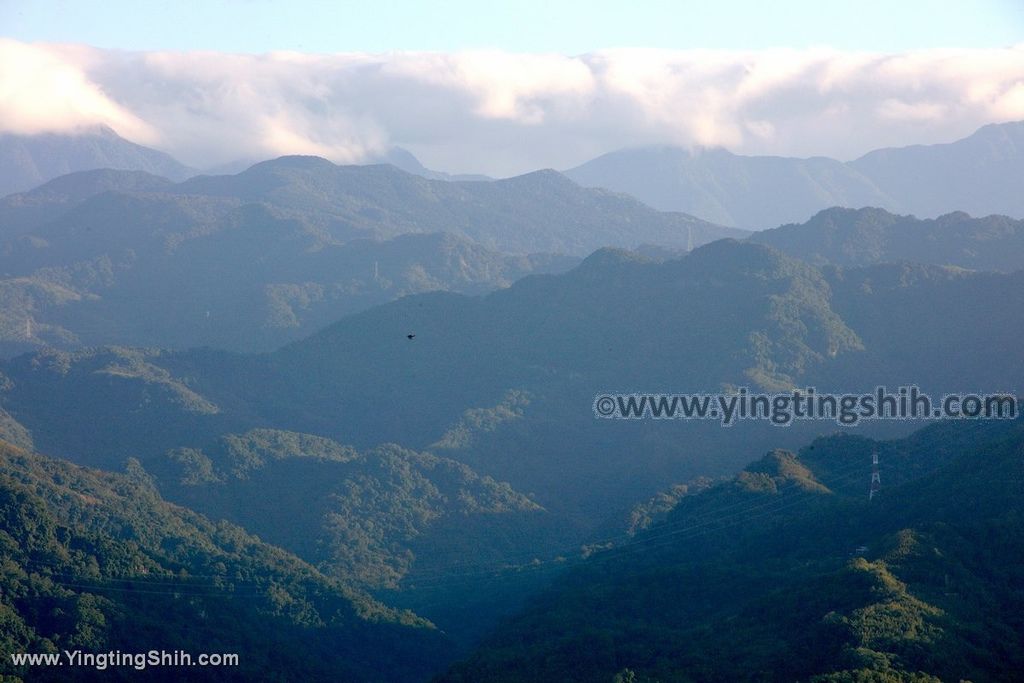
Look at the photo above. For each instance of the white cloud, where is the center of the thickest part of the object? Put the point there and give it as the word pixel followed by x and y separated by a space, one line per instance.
pixel 43 91
pixel 921 112
pixel 504 113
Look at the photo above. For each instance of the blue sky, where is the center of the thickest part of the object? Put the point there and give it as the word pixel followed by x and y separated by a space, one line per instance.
pixel 563 26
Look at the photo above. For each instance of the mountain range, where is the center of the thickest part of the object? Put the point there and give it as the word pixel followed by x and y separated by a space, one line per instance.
pixel 787 571
pixel 98 562
pixel 499 388
pixel 267 256
pixel 340 420
pixel 27 161
pixel 981 174
pixel 861 237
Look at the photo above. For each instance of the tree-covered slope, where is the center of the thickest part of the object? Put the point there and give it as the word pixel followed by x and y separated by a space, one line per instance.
pixel 539 211
pixel 364 516
pixel 408 526
pixel 788 572
pixel 730 314
pixel 860 237
pixel 254 260
pixel 99 562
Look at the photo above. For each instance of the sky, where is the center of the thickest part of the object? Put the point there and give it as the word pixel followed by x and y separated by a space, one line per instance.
pixel 562 26
pixel 504 88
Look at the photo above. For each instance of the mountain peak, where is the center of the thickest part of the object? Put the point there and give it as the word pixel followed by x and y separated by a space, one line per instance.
pixel 848 214
pixel 738 253
pixel 27 161
pixel 785 467
pixel 1010 130
pixel 297 161
pixel 83 184
pixel 610 257
pixel 867 236
pixel 544 177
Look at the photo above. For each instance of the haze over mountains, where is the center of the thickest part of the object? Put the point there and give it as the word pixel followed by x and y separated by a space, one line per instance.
pixel 27 161
pixel 808 579
pixel 295 243
pixel 267 256
pixel 354 404
pixel 615 320
pixel 860 237
pixel 982 174
pixel 503 385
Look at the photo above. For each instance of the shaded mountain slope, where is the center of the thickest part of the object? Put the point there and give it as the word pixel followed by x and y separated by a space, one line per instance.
pixel 254 260
pixel 747 191
pixel 30 160
pixel 980 174
pixel 788 574
pixel 728 315
pixel 859 237
pixel 97 562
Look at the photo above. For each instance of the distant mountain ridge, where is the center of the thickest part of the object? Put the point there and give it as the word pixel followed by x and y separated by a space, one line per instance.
pixel 749 192
pixel 538 211
pixel 27 161
pixel 981 174
pixel 860 237
pixel 404 159
pixel 257 259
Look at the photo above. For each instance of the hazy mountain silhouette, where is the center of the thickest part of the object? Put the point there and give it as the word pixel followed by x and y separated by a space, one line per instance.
pixel 982 174
pixel 30 160
pixel 405 160
pixel 726 188
pixel 858 237
pixel 257 259
pixel 539 211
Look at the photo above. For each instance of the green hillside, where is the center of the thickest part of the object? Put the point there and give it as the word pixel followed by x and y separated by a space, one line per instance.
pixel 98 562
pixel 254 260
pixel 788 572
pixel 861 237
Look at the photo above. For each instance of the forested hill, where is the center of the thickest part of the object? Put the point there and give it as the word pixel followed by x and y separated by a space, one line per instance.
pixel 789 572
pixel 257 259
pixel 728 314
pixel 860 237
pixel 98 562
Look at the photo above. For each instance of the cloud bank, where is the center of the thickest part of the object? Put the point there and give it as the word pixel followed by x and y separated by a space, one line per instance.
pixel 504 113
